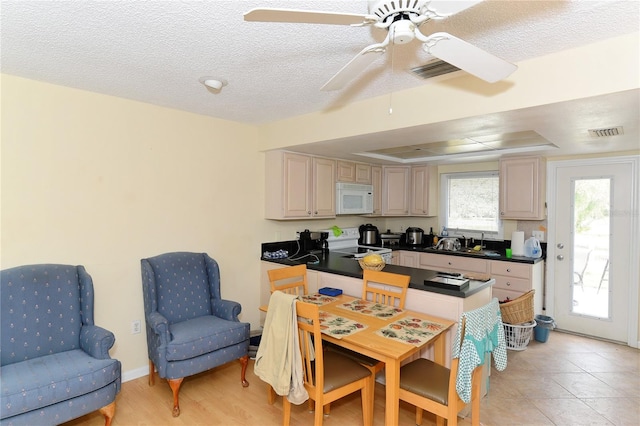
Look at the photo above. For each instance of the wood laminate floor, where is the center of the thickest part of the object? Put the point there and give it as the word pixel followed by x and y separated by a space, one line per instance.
pixel 568 380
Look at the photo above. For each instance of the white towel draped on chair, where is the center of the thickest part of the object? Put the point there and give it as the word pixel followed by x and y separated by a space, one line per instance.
pixel 278 360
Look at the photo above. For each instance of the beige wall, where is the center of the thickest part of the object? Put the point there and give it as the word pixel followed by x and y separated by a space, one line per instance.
pixel 103 182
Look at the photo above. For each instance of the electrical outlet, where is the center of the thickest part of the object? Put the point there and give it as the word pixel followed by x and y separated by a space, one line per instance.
pixel 135 327
pixel 538 234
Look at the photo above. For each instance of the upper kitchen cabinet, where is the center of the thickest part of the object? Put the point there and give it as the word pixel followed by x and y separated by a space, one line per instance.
pixel 376 182
pixel 299 186
pixel 522 188
pixel 395 190
pixel 424 181
pixel 349 171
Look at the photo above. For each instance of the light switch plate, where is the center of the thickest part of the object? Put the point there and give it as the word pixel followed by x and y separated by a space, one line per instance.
pixel 538 234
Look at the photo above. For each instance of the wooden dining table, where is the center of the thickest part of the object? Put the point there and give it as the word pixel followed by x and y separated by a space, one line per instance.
pixel 373 341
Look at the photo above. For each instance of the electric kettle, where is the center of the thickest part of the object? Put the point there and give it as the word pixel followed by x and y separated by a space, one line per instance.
pixel 369 235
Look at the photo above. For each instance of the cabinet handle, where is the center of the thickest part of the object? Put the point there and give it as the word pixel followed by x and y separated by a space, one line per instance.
pixel 309 212
pixel 316 213
pixel 501 213
pixel 508 283
pixel 449 263
pixel 508 270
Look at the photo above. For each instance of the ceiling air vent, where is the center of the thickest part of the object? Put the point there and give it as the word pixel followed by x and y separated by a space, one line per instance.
pixel 434 69
pixel 606 132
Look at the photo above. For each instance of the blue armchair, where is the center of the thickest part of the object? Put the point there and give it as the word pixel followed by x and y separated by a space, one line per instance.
pixel 190 328
pixel 55 360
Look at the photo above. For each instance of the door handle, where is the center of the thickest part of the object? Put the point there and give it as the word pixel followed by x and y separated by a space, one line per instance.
pixel 560 245
pixel 560 257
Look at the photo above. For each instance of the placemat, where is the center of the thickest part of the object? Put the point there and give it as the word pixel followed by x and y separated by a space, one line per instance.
pixel 338 327
pixel 317 299
pixel 415 331
pixel 373 309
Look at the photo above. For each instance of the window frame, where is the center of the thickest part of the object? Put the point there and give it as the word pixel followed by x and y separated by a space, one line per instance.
pixel 444 205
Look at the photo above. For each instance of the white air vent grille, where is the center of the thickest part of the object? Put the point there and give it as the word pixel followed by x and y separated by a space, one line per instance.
pixel 606 132
pixel 434 69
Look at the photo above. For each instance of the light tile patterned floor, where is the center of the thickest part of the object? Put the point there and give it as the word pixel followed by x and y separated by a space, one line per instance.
pixel 568 380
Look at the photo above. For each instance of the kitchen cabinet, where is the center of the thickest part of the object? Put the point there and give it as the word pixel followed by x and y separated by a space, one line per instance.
pixel 299 186
pixel 349 171
pixel 409 258
pixel 522 188
pixel 424 181
pixel 445 263
pixel 515 279
pixel 512 278
pixel 376 182
pixel 395 190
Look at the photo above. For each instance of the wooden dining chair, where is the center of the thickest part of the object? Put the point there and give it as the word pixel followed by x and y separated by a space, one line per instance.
pixel 385 288
pixel 445 391
pixel 327 375
pixel 381 287
pixel 290 279
pixel 432 387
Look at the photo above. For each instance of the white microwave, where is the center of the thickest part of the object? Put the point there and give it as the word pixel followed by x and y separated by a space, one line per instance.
pixel 354 198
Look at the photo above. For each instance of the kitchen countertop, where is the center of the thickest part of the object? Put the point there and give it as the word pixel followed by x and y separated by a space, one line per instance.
pixel 501 254
pixel 335 263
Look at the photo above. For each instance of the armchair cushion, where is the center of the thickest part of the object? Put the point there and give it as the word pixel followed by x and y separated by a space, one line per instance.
pixel 202 335
pixel 44 381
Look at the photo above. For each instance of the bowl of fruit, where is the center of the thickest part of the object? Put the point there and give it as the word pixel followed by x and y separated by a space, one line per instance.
pixel 372 261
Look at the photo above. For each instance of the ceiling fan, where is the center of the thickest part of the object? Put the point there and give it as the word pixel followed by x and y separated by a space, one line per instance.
pixel 402 19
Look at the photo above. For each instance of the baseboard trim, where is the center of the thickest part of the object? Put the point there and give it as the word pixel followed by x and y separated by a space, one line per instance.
pixel 135 374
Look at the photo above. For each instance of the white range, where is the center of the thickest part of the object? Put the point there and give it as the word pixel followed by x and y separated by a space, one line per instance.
pixel 347 243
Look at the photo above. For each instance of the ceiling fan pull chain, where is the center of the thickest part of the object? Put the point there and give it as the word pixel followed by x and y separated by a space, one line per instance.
pixel 393 54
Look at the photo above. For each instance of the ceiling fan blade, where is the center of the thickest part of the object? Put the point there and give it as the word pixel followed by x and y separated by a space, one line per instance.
pixel 445 8
pixel 356 66
pixel 307 17
pixel 468 57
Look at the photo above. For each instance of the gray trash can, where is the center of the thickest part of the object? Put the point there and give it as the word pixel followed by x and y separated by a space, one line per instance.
pixel 544 325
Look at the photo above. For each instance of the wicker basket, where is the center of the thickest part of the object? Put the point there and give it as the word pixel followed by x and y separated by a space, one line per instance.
pixel 518 311
pixel 376 267
pixel 517 336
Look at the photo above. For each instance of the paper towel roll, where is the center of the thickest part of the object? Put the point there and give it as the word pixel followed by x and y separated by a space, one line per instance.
pixel 517 243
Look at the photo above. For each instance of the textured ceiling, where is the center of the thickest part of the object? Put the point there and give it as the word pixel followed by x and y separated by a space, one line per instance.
pixel 156 51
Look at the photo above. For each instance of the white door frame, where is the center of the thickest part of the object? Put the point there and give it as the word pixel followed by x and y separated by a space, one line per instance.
pixel 634 267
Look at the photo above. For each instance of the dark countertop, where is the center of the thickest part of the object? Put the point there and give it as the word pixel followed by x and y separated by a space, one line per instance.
pixel 335 263
pixel 499 250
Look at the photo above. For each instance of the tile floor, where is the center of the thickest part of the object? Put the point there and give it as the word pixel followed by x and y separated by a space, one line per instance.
pixel 568 380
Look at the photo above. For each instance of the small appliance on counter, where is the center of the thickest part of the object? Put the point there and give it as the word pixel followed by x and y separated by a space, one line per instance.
pixel 390 239
pixel 369 235
pixel 313 242
pixel 414 236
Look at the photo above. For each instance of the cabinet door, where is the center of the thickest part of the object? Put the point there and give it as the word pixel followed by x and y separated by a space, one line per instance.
pixel 346 171
pixel 522 188
pixel 423 191
pixel 324 187
pixel 363 173
pixel 376 181
pixel 395 191
pixel 297 185
pixel 409 258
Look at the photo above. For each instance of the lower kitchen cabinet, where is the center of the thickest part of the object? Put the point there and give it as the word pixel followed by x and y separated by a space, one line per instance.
pixel 515 279
pixel 512 278
pixel 409 258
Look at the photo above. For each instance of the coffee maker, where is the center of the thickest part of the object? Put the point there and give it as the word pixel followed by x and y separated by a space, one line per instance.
pixel 313 242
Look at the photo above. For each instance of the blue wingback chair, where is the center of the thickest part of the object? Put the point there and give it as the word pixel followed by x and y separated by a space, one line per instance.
pixel 190 328
pixel 55 360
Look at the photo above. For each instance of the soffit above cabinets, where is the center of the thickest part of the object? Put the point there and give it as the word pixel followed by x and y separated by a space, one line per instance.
pixel 502 143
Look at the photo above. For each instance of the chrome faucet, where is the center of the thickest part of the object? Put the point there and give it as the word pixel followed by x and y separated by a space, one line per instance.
pixel 481 240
